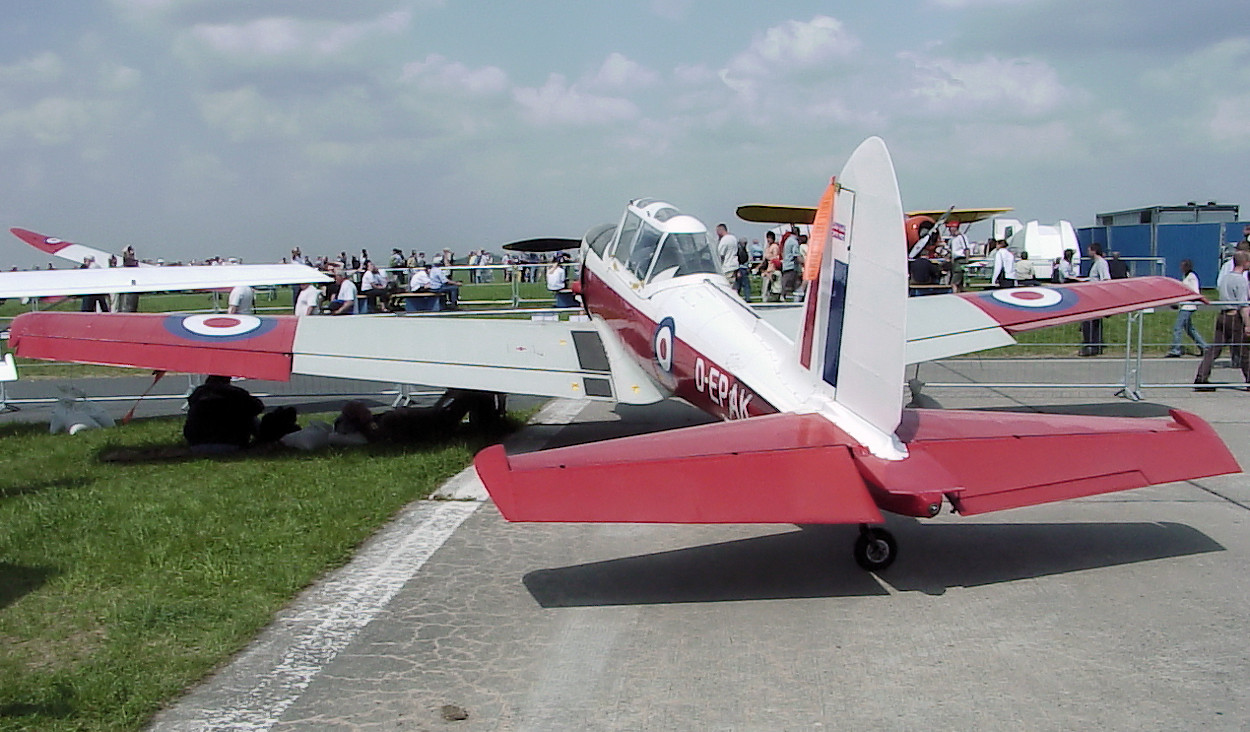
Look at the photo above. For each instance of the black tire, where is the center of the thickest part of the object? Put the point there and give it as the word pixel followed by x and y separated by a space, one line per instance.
pixel 875 549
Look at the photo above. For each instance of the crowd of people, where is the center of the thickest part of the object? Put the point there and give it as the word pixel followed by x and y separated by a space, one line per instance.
pixel 358 277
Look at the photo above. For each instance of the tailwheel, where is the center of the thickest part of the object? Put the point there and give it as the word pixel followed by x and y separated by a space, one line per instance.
pixel 875 549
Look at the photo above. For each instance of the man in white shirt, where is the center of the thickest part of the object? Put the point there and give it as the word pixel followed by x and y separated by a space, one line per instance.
pixel 1004 266
pixel 309 298
pixel 344 303
pixel 733 266
pixel 373 285
pixel 241 300
pixel 958 246
pixel 1232 325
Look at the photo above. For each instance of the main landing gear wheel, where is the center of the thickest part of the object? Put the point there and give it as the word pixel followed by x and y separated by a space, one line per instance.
pixel 875 549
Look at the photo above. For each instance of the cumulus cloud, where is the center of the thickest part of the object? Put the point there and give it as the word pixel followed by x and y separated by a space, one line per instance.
pixel 670 9
pixel 961 4
pixel 1230 124
pixel 620 72
pixel 40 69
pixel 244 114
pixel 794 45
pixel 288 36
pixel 784 53
pixel 436 72
pixel 558 103
pixel 54 120
pixel 1024 86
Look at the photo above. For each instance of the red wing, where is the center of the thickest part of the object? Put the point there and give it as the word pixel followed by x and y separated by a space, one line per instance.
pixel 1027 308
pixel 990 461
pixel 784 468
pixel 230 345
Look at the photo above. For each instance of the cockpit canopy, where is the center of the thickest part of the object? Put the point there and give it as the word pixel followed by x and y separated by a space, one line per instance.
pixel 657 242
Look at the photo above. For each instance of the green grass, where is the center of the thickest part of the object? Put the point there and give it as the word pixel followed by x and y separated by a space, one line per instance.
pixel 121 584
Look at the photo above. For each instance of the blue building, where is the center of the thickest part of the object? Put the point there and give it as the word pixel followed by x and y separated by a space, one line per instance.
pixel 1157 238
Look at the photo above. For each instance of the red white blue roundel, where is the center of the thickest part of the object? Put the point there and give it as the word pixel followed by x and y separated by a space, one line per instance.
pixel 662 345
pixel 218 327
pixel 1033 298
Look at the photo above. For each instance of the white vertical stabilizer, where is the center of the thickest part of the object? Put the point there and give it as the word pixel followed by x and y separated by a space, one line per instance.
pixel 854 332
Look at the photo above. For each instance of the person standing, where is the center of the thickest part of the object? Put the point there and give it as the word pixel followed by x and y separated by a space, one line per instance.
pixel 727 247
pixel 1065 268
pixel 241 300
pixel 1232 322
pixel 1091 330
pixel 958 246
pixel 770 269
pixel 128 302
pixel 308 300
pixel 90 303
pixel 1184 317
pixel 791 265
pixel 1004 266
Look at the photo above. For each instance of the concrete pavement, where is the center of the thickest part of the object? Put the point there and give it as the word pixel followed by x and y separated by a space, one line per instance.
pixel 1125 611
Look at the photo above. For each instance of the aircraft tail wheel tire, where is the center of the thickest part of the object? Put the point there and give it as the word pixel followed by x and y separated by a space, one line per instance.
pixel 875 549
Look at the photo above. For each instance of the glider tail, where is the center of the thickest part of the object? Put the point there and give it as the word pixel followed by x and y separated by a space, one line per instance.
pixel 854 323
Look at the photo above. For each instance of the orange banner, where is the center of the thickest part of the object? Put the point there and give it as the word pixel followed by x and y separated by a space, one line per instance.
pixel 819 236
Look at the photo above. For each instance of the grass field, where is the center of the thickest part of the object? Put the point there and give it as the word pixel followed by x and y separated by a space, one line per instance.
pixel 122 584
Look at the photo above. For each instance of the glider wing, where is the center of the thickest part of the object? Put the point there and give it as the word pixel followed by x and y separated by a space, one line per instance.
pixel 63 282
pixel 545 358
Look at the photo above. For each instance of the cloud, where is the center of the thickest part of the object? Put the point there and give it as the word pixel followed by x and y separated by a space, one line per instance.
pixel 53 120
pixel 1230 124
pixel 962 4
pixel 794 45
pixel 276 37
pixel 619 72
pixel 558 103
pixel 43 68
pixel 786 52
pixel 1008 86
pixel 439 74
pixel 671 9
pixel 243 114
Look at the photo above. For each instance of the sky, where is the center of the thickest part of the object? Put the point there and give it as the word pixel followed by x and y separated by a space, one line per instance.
pixel 197 128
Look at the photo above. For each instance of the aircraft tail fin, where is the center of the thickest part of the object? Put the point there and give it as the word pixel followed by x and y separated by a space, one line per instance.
pixel 854 326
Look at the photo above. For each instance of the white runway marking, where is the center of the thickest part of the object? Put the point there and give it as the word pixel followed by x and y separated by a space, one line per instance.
pixel 267 678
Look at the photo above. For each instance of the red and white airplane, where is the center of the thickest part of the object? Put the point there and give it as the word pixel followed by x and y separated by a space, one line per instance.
pixel 815 429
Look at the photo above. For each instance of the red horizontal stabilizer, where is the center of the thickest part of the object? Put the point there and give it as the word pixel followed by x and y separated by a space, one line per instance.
pixel 784 468
pixel 231 345
pixel 1028 308
pixel 990 461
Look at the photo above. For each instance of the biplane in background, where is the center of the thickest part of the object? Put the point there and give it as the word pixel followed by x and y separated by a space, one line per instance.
pixel 814 427
pixel 918 225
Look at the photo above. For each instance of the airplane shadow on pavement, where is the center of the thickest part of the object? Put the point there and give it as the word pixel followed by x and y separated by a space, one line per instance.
pixel 815 561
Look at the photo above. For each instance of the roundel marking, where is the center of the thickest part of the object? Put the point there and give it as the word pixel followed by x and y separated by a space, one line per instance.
pixel 662 345
pixel 218 327
pixel 52 240
pixel 1035 298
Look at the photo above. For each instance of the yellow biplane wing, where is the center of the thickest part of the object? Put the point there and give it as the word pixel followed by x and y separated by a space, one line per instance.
pixel 764 213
